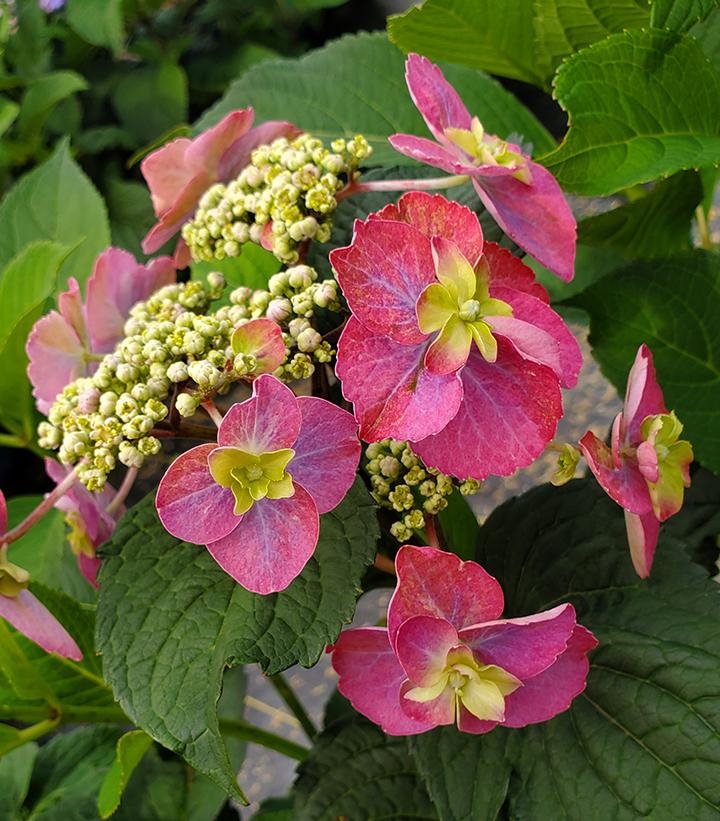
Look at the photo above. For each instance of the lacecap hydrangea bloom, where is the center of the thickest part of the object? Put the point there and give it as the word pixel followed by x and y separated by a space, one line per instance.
pixel 22 609
pixel 647 466
pixel 445 657
pixel 452 344
pixel 255 497
pixel 523 197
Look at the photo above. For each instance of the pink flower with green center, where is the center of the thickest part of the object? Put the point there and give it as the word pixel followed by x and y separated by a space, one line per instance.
pixel 647 467
pixel 446 657
pixel 68 344
pixel 452 344
pixel 523 197
pixel 179 173
pixel 254 499
pixel 23 611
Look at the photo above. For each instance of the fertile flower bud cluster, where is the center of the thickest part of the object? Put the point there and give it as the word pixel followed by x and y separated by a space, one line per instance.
pixel 285 196
pixel 401 482
pixel 293 299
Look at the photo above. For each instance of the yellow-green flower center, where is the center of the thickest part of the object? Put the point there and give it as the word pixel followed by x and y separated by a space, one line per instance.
pixel 674 456
pixel 486 149
pixel 13 579
pixel 80 542
pixel 251 476
pixel 480 688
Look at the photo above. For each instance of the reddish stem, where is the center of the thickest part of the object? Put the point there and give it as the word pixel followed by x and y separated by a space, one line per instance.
pixel 125 488
pixel 433 533
pixel 385 564
pixel 432 184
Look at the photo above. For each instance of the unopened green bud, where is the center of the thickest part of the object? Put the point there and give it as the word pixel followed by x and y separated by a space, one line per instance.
pixel 49 437
pixel 402 498
pixel 309 340
pixel 469 487
pixel 390 467
pixel 186 404
pixel 177 372
pixel 130 456
pixel 415 519
pixel 414 476
pixel 148 445
pixel 401 531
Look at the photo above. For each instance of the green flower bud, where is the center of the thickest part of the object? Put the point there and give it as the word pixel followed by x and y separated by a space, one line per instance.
pixel 469 487
pixel 402 498
pixel 415 519
pixel 427 488
pixel 414 476
pixel 309 340
pixel 148 445
pixel 390 467
pixel 126 407
pixel 130 456
pixel 186 404
pixel 400 531
pixel 177 372
pixel 49 437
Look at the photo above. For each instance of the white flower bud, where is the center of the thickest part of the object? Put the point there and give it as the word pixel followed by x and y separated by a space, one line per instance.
pixel 186 404
pixel 309 340
pixel 301 276
pixel 279 309
pixel 177 372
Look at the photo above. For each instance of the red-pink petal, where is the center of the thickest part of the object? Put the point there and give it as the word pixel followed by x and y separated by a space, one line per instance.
pixel 263 339
pixel 534 311
pixel 525 646
pixel 272 544
pixel 434 216
pixel 207 150
pixel 536 216
pixel 624 484
pixel 269 420
pixel 327 452
pixel 643 396
pixel 552 691
pixel 237 155
pixel 529 341
pixel 71 308
pixel 431 153
pixel 436 100
pixel 190 503
pixel 119 282
pixel 438 712
pixel 509 412
pixel 468 723
pixel 642 533
pixel 371 677
pixel 647 458
pixel 166 173
pixel 432 582
pixel 31 618
pixel 393 395
pixel 506 270
pixel 89 566
pixel 422 644
pixel 180 211
pixel 3 514
pixel 382 274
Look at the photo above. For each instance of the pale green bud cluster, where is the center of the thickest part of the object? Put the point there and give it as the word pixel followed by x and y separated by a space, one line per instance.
pixel 402 483
pixel 285 196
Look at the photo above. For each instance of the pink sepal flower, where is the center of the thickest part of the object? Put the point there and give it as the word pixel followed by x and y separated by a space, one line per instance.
pixel 62 344
pixel 446 658
pixel 263 340
pixel 522 196
pixel 254 499
pixel 86 515
pixel 452 343
pixel 31 618
pixel 180 172
pixel 647 466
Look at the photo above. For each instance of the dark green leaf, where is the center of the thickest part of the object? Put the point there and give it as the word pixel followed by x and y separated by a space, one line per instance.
pixel 170 620
pixel 8 113
pixel 333 92
pixel 459 526
pixel 276 809
pixel 131 214
pixel 358 772
pixel 680 15
pixel 655 225
pixel 672 305
pixel 151 100
pixel 99 22
pixel 633 115
pixel 15 771
pixel 707 33
pixel 699 520
pixel 55 201
pixel 158 790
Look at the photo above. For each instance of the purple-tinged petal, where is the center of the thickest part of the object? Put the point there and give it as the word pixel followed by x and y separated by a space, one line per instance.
pixel 89 567
pixel 468 723
pixel 117 283
pixel 434 216
pixel 438 712
pixel 393 395
pixel 272 544
pixel 190 503
pixel 643 396
pixel 436 100
pixel 237 155
pixel 529 309
pixel 56 357
pixel 507 271
pixel 536 216
pixel 431 153
pixel 552 691
pixel 432 582
pixel 166 173
pixel 624 484
pixel 529 341
pixel 509 412
pixel 269 420
pixel 71 308
pixel 525 646
pixel 91 505
pixel 3 514
pixel 31 618
pixel 207 150
pixel 262 338
pixel 382 274
pixel 327 452
pixel 642 533
pixel 422 645
pixel 371 677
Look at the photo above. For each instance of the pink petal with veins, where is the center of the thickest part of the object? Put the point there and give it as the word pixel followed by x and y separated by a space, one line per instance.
pixel 31 618
pixel 642 532
pixel 422 645
pixel 643 397
pixel 436 100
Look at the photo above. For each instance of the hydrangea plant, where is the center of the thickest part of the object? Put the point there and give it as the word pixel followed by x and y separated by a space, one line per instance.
pixel 311 388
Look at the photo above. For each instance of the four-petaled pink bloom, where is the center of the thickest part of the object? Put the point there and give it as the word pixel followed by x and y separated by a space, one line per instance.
pixel 523 197
pixel 254 498
pixel 87 517
pixel 647 467
pixel 64 346
pixel 179 173
pixel 446 658
pixel 452 343
pixel 23 611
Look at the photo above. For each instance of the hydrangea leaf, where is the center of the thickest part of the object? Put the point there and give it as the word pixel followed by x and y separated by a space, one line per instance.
pixel 613 141
pixel 15 771
pixel 170 621
pixel 671 305
pixel 356 771
pixel 98 22
pixel 56 201
pixel 680 15
pixel 333 92
pixel 129 752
